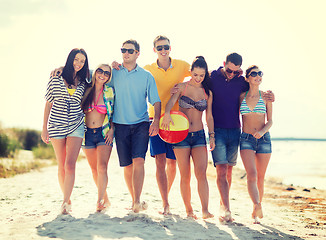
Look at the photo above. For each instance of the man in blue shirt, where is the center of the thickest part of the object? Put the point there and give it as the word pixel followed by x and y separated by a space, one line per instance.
pixel 133 87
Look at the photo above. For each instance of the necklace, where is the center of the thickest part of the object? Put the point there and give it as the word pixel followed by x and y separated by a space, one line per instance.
pixel 70 85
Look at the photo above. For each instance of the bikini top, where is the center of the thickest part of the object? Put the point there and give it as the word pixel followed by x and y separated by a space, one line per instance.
pixel 187 102
pixel 259 108
pixel 71 91
pixel 101 108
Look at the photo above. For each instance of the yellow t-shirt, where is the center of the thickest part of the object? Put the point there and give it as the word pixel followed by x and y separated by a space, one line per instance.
pixel 165 80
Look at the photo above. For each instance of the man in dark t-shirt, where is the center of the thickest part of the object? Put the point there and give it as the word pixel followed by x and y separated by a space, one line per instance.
pixel 226 85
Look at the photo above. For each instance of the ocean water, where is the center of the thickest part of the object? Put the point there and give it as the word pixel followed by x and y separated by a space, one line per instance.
pixel 301 163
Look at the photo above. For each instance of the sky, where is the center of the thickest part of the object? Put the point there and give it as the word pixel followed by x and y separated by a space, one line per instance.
pixel 286 39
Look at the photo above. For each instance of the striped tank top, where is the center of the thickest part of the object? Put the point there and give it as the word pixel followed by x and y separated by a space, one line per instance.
pixel 259 108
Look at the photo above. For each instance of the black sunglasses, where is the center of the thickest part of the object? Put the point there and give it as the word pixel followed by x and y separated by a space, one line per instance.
pixel 101 71
pixel 228 70
pixel 254 74
pixel 160 47
pixel 130 51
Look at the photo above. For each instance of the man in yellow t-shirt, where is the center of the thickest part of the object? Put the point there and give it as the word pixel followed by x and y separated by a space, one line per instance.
pixel 167 72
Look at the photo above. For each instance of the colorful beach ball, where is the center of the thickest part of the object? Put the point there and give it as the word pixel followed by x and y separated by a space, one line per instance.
pixel 179 131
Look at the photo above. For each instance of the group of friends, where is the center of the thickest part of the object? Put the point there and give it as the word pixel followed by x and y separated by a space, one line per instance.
pixel 90 110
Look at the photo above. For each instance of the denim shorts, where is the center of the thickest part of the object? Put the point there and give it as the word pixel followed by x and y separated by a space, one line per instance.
pixel 131 141
pixel 94 138
pixel 158 146
pixel 193 139
pixel 226 146
pixel 261 145
pixel 79 132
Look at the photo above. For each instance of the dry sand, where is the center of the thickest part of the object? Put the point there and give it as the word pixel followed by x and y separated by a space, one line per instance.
pixel 30 203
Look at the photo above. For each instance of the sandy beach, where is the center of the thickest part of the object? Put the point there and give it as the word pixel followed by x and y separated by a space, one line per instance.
pixel 30 204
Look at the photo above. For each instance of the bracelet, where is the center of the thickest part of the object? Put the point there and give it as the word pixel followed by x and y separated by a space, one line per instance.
pixel 211 133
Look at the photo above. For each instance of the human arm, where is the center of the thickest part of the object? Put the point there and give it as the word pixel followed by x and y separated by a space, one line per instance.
pixel 269 96
pixel 109 135
pixel 45 133
pixel 210 122
pixel 268 124
pixel 153 129
pixel 56 72
pixel 167 117
pixel 116 65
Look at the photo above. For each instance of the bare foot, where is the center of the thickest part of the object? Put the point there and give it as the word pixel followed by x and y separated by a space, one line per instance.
pixel 257 213
pixel 102 206
pixel 166 210
pixel 191 215
pixel 227 217
pixel 256 221
pixel 107 201
pixel 65 208
pixel 207 215
pixel 139 207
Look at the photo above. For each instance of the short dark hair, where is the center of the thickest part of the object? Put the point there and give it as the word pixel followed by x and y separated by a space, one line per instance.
pixel 160 38
pixel 133 42
pixel 234 58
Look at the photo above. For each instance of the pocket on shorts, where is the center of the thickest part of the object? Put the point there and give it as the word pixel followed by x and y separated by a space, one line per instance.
pixel 267 137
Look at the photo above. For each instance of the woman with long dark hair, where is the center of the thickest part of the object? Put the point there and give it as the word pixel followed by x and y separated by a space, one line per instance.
pixel 98 105
pixel 255 140
pixel 194 97
pixel 63 122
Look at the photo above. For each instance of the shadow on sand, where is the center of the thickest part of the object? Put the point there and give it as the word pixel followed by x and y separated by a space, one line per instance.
pixel 141 226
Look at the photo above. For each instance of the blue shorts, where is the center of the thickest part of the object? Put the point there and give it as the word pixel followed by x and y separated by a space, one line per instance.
pixel 226 146
pixel 94 138
pixel 132 141
pixel 158 146
pixel 193 139
pixel 261 145
pixel 79 132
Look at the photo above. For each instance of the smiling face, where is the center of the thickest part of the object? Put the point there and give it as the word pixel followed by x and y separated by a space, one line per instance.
pixel 127 57
pixel 197 75
pixel 79 62
pixel 162 54
pixel 254 80
pixel 231 70
pixel 102 74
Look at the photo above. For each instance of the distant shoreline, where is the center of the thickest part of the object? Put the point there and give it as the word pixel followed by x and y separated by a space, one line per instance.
pixel 299 139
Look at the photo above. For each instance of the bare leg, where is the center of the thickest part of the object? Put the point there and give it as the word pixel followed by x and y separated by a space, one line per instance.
pixel 222 171
pixel 183 160
pixel 262 160
pixel 59 146
pixel 162 181
pixel 248 159
pixel 137 183
pixel 91 155
pixel 200 159
pixel 73 145
pixel 103 156
pixel 128 172
pixel 171 171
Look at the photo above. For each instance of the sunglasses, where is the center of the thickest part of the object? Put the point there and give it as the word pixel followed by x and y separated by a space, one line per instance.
pixel 130 51
pixel 254 74
pixel 160 47
pixel 228 70
pixel 101 71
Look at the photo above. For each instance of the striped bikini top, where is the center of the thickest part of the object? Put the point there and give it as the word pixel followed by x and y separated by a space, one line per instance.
pixel 187 102
pixel 260 107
